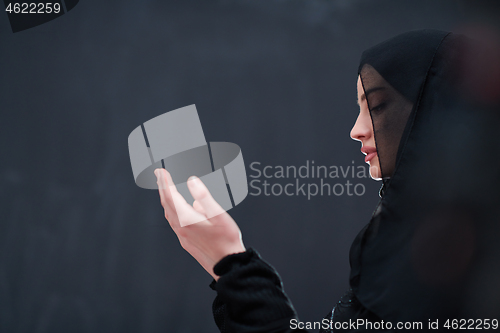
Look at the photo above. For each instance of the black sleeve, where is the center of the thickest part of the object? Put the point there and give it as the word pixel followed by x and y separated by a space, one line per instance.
pixel 250 296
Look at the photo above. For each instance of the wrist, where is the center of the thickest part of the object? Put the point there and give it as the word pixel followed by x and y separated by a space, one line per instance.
pixel 234 260
pixel 238 250
pixel 228 251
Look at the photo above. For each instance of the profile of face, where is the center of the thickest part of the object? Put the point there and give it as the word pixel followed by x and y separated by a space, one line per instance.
pixel 383 116
pixel 362 131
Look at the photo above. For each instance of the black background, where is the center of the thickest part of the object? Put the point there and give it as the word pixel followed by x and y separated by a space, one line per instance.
pixel 82 248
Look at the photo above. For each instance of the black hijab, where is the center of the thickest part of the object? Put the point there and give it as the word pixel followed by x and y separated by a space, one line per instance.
pixel 431 248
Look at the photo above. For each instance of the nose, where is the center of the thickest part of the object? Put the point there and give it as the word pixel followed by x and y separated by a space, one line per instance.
pixel 363 128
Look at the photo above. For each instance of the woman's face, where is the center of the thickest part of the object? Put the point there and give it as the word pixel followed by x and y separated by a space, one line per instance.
pixel 363 131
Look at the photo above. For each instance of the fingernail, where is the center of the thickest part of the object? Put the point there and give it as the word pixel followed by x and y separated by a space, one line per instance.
pixel 157 173
pixel 193 180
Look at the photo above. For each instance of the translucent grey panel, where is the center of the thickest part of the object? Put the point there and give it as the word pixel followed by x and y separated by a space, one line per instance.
pixel 215 183
pixel 228 155
pixel 138 151
pixel 147 178
pixel 237 178
pixel 223 153
pixel 192 162
pixel 176 138
pixel 174 132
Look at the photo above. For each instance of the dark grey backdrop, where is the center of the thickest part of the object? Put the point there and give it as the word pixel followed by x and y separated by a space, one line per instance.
pixel 82 249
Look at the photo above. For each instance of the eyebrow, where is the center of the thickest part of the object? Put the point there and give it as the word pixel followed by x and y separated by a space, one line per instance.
pixel 368 92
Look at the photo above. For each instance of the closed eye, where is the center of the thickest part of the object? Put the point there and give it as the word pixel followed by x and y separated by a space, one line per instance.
pixel 379 108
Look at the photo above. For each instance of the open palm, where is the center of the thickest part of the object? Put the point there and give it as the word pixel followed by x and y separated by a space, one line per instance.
pixel 208 240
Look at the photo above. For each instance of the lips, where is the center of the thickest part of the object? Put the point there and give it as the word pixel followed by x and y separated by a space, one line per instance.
pixel 370 152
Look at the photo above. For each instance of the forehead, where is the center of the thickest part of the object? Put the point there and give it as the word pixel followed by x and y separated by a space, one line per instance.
pixel 370 79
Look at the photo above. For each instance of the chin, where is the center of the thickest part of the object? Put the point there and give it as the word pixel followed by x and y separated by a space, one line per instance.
pixel 375 173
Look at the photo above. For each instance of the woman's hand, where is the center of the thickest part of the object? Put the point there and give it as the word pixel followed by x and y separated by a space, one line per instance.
pixel 208 240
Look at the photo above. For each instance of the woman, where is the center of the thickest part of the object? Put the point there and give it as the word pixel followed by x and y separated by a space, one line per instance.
pixel 426 256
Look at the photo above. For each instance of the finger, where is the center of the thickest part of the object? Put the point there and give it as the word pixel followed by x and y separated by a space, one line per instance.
pixel 179 212
pixel 186 214
pixel 197 206
pixel 167 201
pixel 202 195
pixel 166 179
